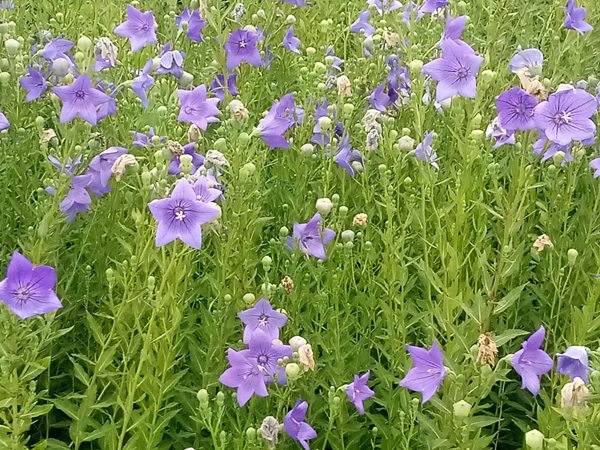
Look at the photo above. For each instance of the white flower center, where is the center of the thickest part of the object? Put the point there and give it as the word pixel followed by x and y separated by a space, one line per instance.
pixel 179 213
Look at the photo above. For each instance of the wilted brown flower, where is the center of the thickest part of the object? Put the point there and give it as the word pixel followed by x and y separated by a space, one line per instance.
pixel 118 168
pixel 306 356
pixel 541 242
pixel 47 136
pixel 238 110
pixel 487 349
pixel 194 133
pixel 343 85
pixel 392 40
pixel 175 147
pixel 288 284
pixel 360 219
pixel 532 85
pixel 369 120
pixel 106 49
pixel 573 395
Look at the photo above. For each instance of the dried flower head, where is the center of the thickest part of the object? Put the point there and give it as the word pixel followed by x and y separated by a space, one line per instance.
pixel 370 119
pixel 215 158
pixel 118 168
pixel 360 220
pixel 532 85
pixel 306 356
pixel 487 349
pixel 238 110
pixel 194 133
pixel 107 50
pixel 288 284
pixel 269 430
pixel 573 395
pixel 391 39
pixel 542 242
pixel 175 147
pixel 47 136
pixel 343 85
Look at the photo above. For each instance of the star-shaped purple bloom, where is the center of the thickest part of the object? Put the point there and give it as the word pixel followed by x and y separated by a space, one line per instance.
pixel 515 109
pixel 266 355
pixel 428 371
pixel 188 149
pixel 34 84
pixel 80 99
pixel 358 391
pixel 78 198
pixel 263 317
pixel 290 42
pixel 273 126
pixel 181 216
pixel 295 425
pixel 424 151
pixel 362 24
pixel 385 6
pixel 196 108
pixel 574 362
pixel 566 116
pixel 195 24
pixel 575 18
pixel 139 28
pixel 27 290
pixel 455 71
pixel 100 169
pixel 531 59
pixel 454 27
pixel 4 123
pixel 56 49
pixel 531 361
pixel 143 82
pixel 171 61
pixel 245 375
pixel 218 85
pixel 240 47
pixel 205 190
pixel 310 239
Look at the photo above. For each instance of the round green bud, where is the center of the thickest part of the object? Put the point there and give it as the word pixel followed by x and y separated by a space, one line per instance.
pixel 221 145
pixel 311 50
pixel 488 76
pixel 572 255
pixel 284 231
pixel 4 78
pixel 249 298
pixel 534 440
pixel 416 66
pixel 85 44
pixel 325 123
pixel 320 68
pixel 12 46
pixel 162 110
pixel 307 150
pixel 251 434
pixel 292 371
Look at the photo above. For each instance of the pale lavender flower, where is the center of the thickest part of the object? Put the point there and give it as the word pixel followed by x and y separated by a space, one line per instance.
pixel 56 49
pixel 263 317
pixel 428 371
pixel 188 149
pixel 454 27
pixel 295 425
pixel 385 6
pixel 515 109
pixel 143 82
pixel 424 151
pixel 290 42
pixel 574 362
pixel 196 108
pixel 278 120
pixel 575 18
pixel 80 99
pixel 143 140
pixel 347 155
pixel 69 167
pixel 595 164
pixel 100 169
pixel 431 6
pixel 530 59
pixel 4 123
pixel 139 28
pixel 205 190
pixel 309 237
pixel 266 355
pixel 78 199
pixel 296 2
pixel 501 136
pixel 358 391
pixel 541 146
pixel 171 61
pixel 245 375
pixel 531 361
pixel 218 85
pixel 362 24
pixel 195 24
pixel 34 84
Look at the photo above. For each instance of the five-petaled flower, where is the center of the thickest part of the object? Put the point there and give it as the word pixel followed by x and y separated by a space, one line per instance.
pixel 80 99
pixel 196 108
pixel 139 28
pixel 262 317
pixel 428 370
pixel 240 47
pixel 358 391
pixel 531 361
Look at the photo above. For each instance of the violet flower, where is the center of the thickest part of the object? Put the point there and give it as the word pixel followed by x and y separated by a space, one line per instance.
pixel 142 140
pixel 205 190
pixel 195 24
pixel 34 84
pixel 80 99
pixel 4 123
pixel 143 82
pixel 171 61
pixel 347 155
pixel 295 425
pixel 385 6
pixel 362 24
pixel 501 135
pixel 574 362
pixel 515 109
pixel 272 127
pixel 430 6
pixel 290 42
pixel 575 18
pixel 410 7
pixel 181 216
pixel 8 4
pixel 100 169
pixel 566 116
pixel 428 371
pixel 56 49
pixel 454 27
pixel 296 2
pixel 379 99
pixel 531 361
pixel 196 108
pixel 69 167
pixel 110 107
pixel 27 290
pixel 337 62
pixel 245 375
pixel 309 238
pixel 424 151
pixel 241 47
pixel 530 59
pixel 139 28
pixel 263 317
pixel 541 146
pixel 595 164
pixel 358 391
pixel 218 86
pixel 188 149
pixel 266 355
pixel 77 199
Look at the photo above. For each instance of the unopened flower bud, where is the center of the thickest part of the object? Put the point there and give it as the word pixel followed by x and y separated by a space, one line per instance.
pixel 534 440
pixel 406 143
pixel 462 409
pixel 284 231
pixel 347 235
pixel 307 150
pixel 61 67
pixel 572 255
pixel 202 396
pixel 12 46
pixel 416 66
pixel 85 44
pixel 292 371
pixel 185 80
pixel 251 434
pixel 324 205
pixel 290 19
pixel 296 342
pixel 249 298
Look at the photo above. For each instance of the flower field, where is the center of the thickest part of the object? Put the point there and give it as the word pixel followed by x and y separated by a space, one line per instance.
pixel 283 224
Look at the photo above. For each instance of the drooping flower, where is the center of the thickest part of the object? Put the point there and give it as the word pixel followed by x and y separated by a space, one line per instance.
pixel 143 82
pixel 385 6
pixel 195 24
pixel 78 198
pixel 290 42
pixel 531 361
pixel 575 18
pixel 106 51
pixel 245 375
pixel 269 430
pixel 263 317
pixel 455 71
pixel 487 350
pixel 542 242
pixel 566 116
pixel 27 290
pixel 574 362
pixel 358 391
pixel 309 238
pixel 347 155
pixel 4 123
pixel 100 169
pixel 139 28
pixel 424 151
pixel 34 84
pixel 573 395
pixel 515 110
pixel 181 216
pixel 266 355
pixel 218 86
pixel 307 357
pixel 499 133
pixel 530 60
pixel 428 370
pixel 196 108
pixel 171 61
pixel 295 425
pixel 241 47
pixel 56 49
pixel 362 24
pixel 80 99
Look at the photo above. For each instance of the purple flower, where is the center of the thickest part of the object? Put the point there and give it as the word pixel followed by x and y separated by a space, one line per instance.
pixel 454 27
pixel 69 167
pixel 379 99
pixel 80 99
pixel 139 28
pixel 266 355
pixel 530 59
pixel 502 136
pixel 424 151
pixel 296 2
pixel 455 71
pixel 102 64
pixel 539 147
pixel 171 61
pixel 337 62
pixel 290 42
pixel 188 149
pixel 245 375
pixel 181 216
pixel 595 164
pixel 347 155
pixel 272 127
pixel 142 140
pixel 531 361
pixel 431 6
pixel 310 239
pixel 240 47
pixel 296 427
pixel 262 317
pixel 78 199
pixel 218 86
pixel 574 362
pixel 566 116
pixel 575 18
pixel 385 6
pixel 195 24
pixel 515 110
pixel 358 391
pixel 110 107
pixel 205 190
pixel 143 82
pixel 427 372
pixel 410 7
pixel 8 4
pixel 196 108
pixel 4 123
pixel 362 24
pixel 56 49
pixel 27 290
pixel 100 169
pixel 34 84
